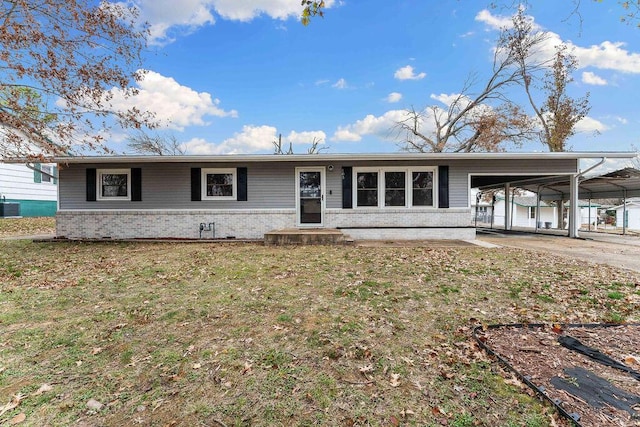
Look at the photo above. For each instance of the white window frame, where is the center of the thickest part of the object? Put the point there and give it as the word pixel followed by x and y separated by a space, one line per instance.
pixel 408 188
pixel 434 186
pixel 101 172
pixel 219 171
pixel 46 171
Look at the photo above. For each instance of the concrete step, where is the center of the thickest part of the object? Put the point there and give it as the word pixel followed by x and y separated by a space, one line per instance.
pixel 306 236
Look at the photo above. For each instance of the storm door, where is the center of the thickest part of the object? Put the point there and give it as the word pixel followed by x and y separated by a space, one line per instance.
pixel 310 196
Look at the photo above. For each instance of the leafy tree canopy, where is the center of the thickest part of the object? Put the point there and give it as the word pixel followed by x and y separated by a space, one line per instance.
pixel 61 60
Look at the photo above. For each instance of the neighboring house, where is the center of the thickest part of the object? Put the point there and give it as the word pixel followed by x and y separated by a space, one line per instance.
pixel 28 192
pixel 588 213
pixel 628 217
pixel 524 213
pixel 367 196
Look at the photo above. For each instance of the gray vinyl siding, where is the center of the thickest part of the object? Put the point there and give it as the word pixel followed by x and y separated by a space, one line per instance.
pixel 271 185
pixel 168 186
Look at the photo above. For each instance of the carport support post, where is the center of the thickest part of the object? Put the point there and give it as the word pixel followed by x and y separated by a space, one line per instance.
pixel 537 208
pixel 507 203
pixel 574 211
pixel 624 212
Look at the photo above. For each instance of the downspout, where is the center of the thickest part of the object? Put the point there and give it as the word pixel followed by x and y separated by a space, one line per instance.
pixel 493 202
pixel 589 212
pixel 573 203
pixel 478 197
pixel 513 190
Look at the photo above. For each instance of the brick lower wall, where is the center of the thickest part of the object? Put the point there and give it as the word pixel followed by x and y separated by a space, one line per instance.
pixel 403 224
pixel 249 224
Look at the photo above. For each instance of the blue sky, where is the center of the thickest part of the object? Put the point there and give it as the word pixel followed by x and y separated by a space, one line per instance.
pixel 228 76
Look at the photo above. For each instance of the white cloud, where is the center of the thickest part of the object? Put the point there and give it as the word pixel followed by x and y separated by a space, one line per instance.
pixel 592 79
pixel 175 106
pixel 407 73
pixel 247 10
pixel 448 99
pixel 199 146
pixel 371 125
pixel 167 17
pixel 494 22
pixel 305 137
pixel 321 82
pixel 607 55
pixel 340 84
pixel 252 139
pixel 394 97
pixel 590 125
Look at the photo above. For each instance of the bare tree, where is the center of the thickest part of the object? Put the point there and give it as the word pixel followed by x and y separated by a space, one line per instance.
pixel 313 149
pixel 59 60
pixel 558 114
pixel 474 121
pixel 160 145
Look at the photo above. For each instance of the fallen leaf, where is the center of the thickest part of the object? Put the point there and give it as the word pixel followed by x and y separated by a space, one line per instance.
pixel 365 369
pixel 96 350
pixel 94 405
pixel 437 411
pixel 394 421
pixel 197 366
pixel 18 419
pixel 43 389
pixel 395 380
pixel 247 368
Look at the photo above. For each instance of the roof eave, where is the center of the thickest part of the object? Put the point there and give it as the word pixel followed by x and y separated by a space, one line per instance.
pixel 309 158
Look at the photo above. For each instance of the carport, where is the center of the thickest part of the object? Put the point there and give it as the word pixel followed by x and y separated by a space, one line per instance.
pixel 594 180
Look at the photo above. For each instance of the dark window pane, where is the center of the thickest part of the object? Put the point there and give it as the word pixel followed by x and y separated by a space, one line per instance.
pixel 422 197
pixel 368 197
pixel 367 180
pixel 367 188
pixel 422 183
pixel 219 184
pixel 394 194
pixel 114 185
pixel 310 184
pixel 394 180
pixel 394 198
pixel 423 180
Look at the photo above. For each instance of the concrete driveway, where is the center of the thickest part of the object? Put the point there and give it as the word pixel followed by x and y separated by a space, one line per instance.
pixel 598 248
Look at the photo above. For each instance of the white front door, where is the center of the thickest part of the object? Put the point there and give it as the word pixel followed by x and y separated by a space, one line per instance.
pixel 310 196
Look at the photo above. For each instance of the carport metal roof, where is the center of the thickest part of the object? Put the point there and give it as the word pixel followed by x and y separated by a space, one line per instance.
pixel 618 184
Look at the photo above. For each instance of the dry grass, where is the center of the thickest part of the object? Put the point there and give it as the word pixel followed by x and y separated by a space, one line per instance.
pixel 234 335
pixel 27 226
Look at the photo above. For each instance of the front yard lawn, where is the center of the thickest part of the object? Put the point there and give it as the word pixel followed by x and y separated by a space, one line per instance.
pixel 174 334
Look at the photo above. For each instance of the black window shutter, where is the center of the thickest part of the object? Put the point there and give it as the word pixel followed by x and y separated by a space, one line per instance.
pixel 347 188
pixel 91 185
pixel 443 187
pixel 196 185
pixel 242 185
pixel 136 184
